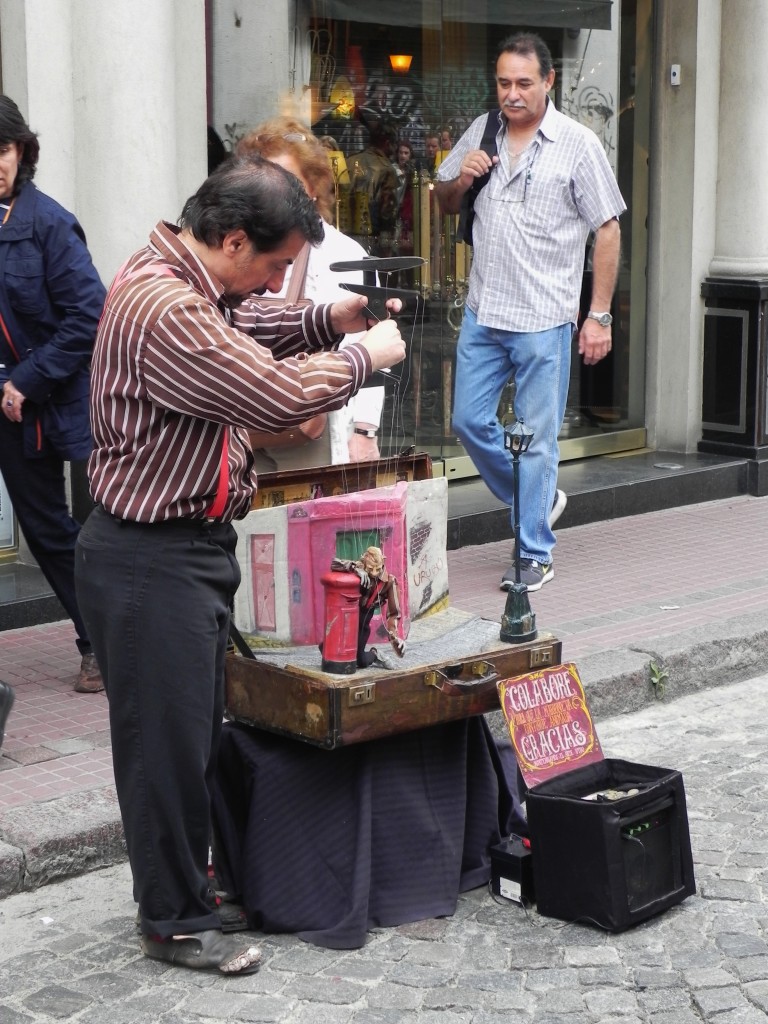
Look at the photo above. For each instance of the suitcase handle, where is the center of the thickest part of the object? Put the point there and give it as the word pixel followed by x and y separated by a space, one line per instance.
pixel 450 682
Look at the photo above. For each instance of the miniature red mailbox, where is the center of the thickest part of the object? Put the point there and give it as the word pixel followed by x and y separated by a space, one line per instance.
pixel 342 614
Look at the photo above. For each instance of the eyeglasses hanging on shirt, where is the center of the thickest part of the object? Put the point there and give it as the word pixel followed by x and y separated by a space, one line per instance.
pixel 516 188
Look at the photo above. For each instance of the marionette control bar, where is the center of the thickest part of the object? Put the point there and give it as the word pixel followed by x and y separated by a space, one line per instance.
pixel 377 296
pixel 377 300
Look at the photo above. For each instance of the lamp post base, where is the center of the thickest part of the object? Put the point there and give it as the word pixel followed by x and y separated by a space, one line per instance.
pixel 518 623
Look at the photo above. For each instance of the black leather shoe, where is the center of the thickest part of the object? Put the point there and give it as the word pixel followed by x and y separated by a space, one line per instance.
pixel 7 697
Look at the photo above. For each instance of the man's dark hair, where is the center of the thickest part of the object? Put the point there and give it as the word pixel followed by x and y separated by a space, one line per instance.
pixel 383 132
pixel 13 128
pixel 255 196
pixel 528 44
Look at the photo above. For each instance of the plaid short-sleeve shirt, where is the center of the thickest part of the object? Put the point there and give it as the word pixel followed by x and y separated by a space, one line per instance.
pixel 532 222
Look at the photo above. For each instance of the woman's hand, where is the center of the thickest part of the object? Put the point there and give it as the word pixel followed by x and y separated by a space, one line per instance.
pixel 12 402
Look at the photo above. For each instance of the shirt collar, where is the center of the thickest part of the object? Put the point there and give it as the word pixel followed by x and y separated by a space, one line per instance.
pixel 549 123
pixel 166 240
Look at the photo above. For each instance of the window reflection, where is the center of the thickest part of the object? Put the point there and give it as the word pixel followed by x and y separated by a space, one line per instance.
pixel 391 122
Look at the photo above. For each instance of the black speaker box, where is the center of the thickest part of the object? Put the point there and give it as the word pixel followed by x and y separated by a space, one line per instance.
pixel 608 862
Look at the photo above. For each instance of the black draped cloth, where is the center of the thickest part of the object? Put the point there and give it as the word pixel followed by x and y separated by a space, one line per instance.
pixel 328 844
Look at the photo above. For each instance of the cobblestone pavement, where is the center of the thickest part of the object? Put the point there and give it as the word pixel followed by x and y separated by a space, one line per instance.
pixel 68 950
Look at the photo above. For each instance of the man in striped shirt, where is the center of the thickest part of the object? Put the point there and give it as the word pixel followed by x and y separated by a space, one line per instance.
pixel 550 185
pixel 185 363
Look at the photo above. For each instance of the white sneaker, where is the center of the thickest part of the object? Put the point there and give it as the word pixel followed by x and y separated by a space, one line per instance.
pixel 558 507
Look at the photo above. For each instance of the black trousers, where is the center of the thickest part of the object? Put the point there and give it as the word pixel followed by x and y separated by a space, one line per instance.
pixel 37 491
pixel 157 600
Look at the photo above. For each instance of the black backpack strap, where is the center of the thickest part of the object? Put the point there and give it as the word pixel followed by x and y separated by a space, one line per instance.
pixel 467 212
pixel 488 141
pixel 488 145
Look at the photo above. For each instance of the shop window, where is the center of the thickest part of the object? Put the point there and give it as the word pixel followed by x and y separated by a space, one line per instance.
pixel 393 86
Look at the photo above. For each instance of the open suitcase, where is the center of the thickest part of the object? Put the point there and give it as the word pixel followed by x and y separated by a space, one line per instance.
pixel 449 671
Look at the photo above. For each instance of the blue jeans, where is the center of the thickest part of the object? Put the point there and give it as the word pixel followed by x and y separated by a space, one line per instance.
pixel 487 358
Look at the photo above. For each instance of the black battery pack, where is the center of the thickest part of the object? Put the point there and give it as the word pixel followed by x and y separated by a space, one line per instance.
pixel 512 871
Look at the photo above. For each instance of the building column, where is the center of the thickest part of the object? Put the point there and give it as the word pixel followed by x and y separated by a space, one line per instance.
pixel 116 92
pixel 683 184
pixel 735 387
pixel 259 65
pixel 741 241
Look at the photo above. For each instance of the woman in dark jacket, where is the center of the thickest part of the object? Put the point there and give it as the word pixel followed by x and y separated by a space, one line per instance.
pixel 50 301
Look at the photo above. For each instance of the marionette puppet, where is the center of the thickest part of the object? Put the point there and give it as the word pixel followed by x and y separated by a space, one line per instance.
pixel 378 590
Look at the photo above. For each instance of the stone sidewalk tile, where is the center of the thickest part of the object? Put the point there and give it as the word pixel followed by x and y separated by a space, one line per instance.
pixel 664 587
pixel 649 569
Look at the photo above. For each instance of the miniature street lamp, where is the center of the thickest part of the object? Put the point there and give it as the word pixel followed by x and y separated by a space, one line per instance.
pixel 518 623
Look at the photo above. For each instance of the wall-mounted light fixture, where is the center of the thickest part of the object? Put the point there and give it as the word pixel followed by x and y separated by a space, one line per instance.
pixel 400 62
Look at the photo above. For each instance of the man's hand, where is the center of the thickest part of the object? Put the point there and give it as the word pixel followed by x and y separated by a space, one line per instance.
pixel 594 341
pixel 385 345
pixel 347 314
pixel 474 165
pixel 398 645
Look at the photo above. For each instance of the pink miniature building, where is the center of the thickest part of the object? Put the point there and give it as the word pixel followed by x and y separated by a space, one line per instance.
pixel 317 532
pixel 284 551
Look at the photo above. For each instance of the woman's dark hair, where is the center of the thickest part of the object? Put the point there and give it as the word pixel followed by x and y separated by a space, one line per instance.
pixel 528 44
pixel 255 196
pixel 13 128
pixel 217 151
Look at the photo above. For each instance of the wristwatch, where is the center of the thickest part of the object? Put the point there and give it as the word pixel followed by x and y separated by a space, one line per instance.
pixel 604 319
pixel 365 433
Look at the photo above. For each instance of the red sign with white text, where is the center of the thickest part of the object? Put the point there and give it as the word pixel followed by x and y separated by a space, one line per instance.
pixel 549 722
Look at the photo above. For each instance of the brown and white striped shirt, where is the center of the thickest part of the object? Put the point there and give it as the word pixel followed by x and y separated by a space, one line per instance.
pixel 174 370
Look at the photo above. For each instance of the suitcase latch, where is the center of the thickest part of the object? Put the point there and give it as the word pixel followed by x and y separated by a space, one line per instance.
pixel 541 656
pixel 365 694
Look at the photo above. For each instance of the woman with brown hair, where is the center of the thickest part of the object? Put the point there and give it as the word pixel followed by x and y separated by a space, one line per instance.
pixel 350 433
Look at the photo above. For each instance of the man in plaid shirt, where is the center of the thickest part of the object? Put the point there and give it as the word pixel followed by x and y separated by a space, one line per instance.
pixel 550 185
